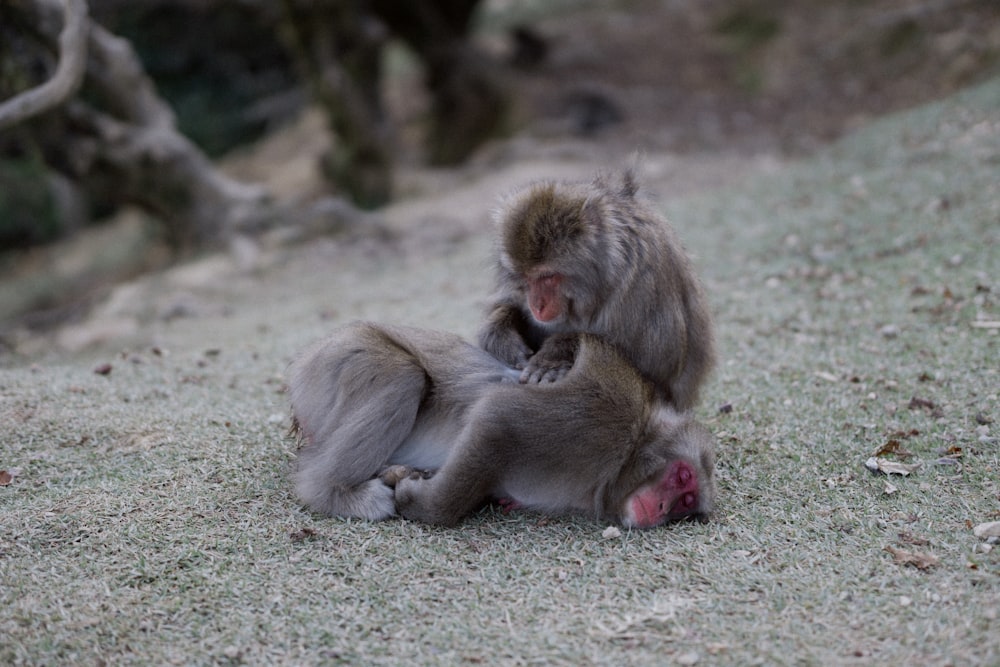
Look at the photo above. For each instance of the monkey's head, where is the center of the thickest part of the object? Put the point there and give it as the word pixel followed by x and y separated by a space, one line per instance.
pixel 676 474
pixel 552 248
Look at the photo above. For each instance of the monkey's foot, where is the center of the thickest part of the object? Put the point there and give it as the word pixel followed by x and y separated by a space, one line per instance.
pixel 392 474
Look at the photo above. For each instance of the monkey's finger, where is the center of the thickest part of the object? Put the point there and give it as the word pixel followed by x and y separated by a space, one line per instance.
pixel 532 375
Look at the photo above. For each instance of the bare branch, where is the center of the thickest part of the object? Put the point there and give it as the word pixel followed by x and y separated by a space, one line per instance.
pixel 68 74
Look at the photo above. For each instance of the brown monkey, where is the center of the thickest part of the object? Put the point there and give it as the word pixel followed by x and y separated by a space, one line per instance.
pixel 592 258
pixel 372 398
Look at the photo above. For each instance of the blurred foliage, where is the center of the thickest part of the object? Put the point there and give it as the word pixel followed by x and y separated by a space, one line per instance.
pixel 221 67
pixel 28 211
pixel 749 28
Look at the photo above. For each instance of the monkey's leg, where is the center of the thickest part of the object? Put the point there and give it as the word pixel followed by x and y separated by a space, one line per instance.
pixel 459 488
pixel 355 409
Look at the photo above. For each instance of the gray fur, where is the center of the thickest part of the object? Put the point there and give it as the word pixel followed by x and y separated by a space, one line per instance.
pixel 629 280
pixel 373 396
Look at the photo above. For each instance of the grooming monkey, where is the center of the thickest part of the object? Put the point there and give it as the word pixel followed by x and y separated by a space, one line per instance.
pixel 374 403
pixel 592 258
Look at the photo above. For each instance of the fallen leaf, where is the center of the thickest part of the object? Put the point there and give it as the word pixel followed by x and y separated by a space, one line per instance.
pixel 611 532
pixel 952 452
pixel 917 403
pixel 949 461
pixel 103 369
pixel 921 561
pixel 876 464
pixel 989 529
pixel 302 534
pixel 893 447
pixel 890 489
pixel 5 478
pixel 910 538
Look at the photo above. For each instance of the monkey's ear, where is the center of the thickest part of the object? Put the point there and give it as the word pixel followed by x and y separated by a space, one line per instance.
pixel 630 184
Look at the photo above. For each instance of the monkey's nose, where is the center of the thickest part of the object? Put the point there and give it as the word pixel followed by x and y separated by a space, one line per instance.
pixel 684 475
pixel 686 503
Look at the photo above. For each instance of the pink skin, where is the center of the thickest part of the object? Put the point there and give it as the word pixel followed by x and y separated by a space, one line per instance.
pixel 672 497
pixel 508 505
pixel 543 296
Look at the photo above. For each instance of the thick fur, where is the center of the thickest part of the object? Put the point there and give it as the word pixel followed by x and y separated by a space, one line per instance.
pixel 627 279
pixel 372 396
pixel 368 397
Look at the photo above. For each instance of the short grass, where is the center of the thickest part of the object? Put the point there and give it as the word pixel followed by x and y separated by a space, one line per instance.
pixel 150 520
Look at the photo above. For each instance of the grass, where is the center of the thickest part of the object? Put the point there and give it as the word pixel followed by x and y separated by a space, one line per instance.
pixel 151 521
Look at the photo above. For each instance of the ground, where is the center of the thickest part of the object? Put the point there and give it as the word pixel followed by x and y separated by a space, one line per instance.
pixel 148 516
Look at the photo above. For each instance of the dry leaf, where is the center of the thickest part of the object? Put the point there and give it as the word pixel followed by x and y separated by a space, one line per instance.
pixel 921 561
pixel 890 489
pixel 611 532
pixel 893 446
pixel 876 464
pixel 989 529
pixel 5 478
pixel 917 403
pixel 103 369
pixel 910 538
pixel 302 534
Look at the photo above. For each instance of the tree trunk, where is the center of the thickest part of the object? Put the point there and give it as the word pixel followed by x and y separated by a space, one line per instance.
pixel 118 138
pixel 338 47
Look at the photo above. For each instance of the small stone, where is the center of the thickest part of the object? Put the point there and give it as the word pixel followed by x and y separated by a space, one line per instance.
pixel 889 331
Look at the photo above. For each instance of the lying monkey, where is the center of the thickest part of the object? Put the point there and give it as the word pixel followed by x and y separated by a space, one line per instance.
pixel 371 398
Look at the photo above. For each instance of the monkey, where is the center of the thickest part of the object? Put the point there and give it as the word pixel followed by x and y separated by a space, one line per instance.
pixel 574 257
pixel 450 427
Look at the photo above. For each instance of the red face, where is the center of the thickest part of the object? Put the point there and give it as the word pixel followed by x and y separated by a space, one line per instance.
pixel 672 497
pixel 544 297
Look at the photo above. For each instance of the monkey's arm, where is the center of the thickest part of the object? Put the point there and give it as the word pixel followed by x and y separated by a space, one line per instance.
pixel 553 360
pixel 505 335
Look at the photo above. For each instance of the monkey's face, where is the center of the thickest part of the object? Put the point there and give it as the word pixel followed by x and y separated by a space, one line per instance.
pixel 544 296
pixel 673 495
pixel 682 483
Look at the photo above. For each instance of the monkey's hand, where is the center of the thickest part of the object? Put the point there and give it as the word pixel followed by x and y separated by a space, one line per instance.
pixel 506 344
pixel 552 361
